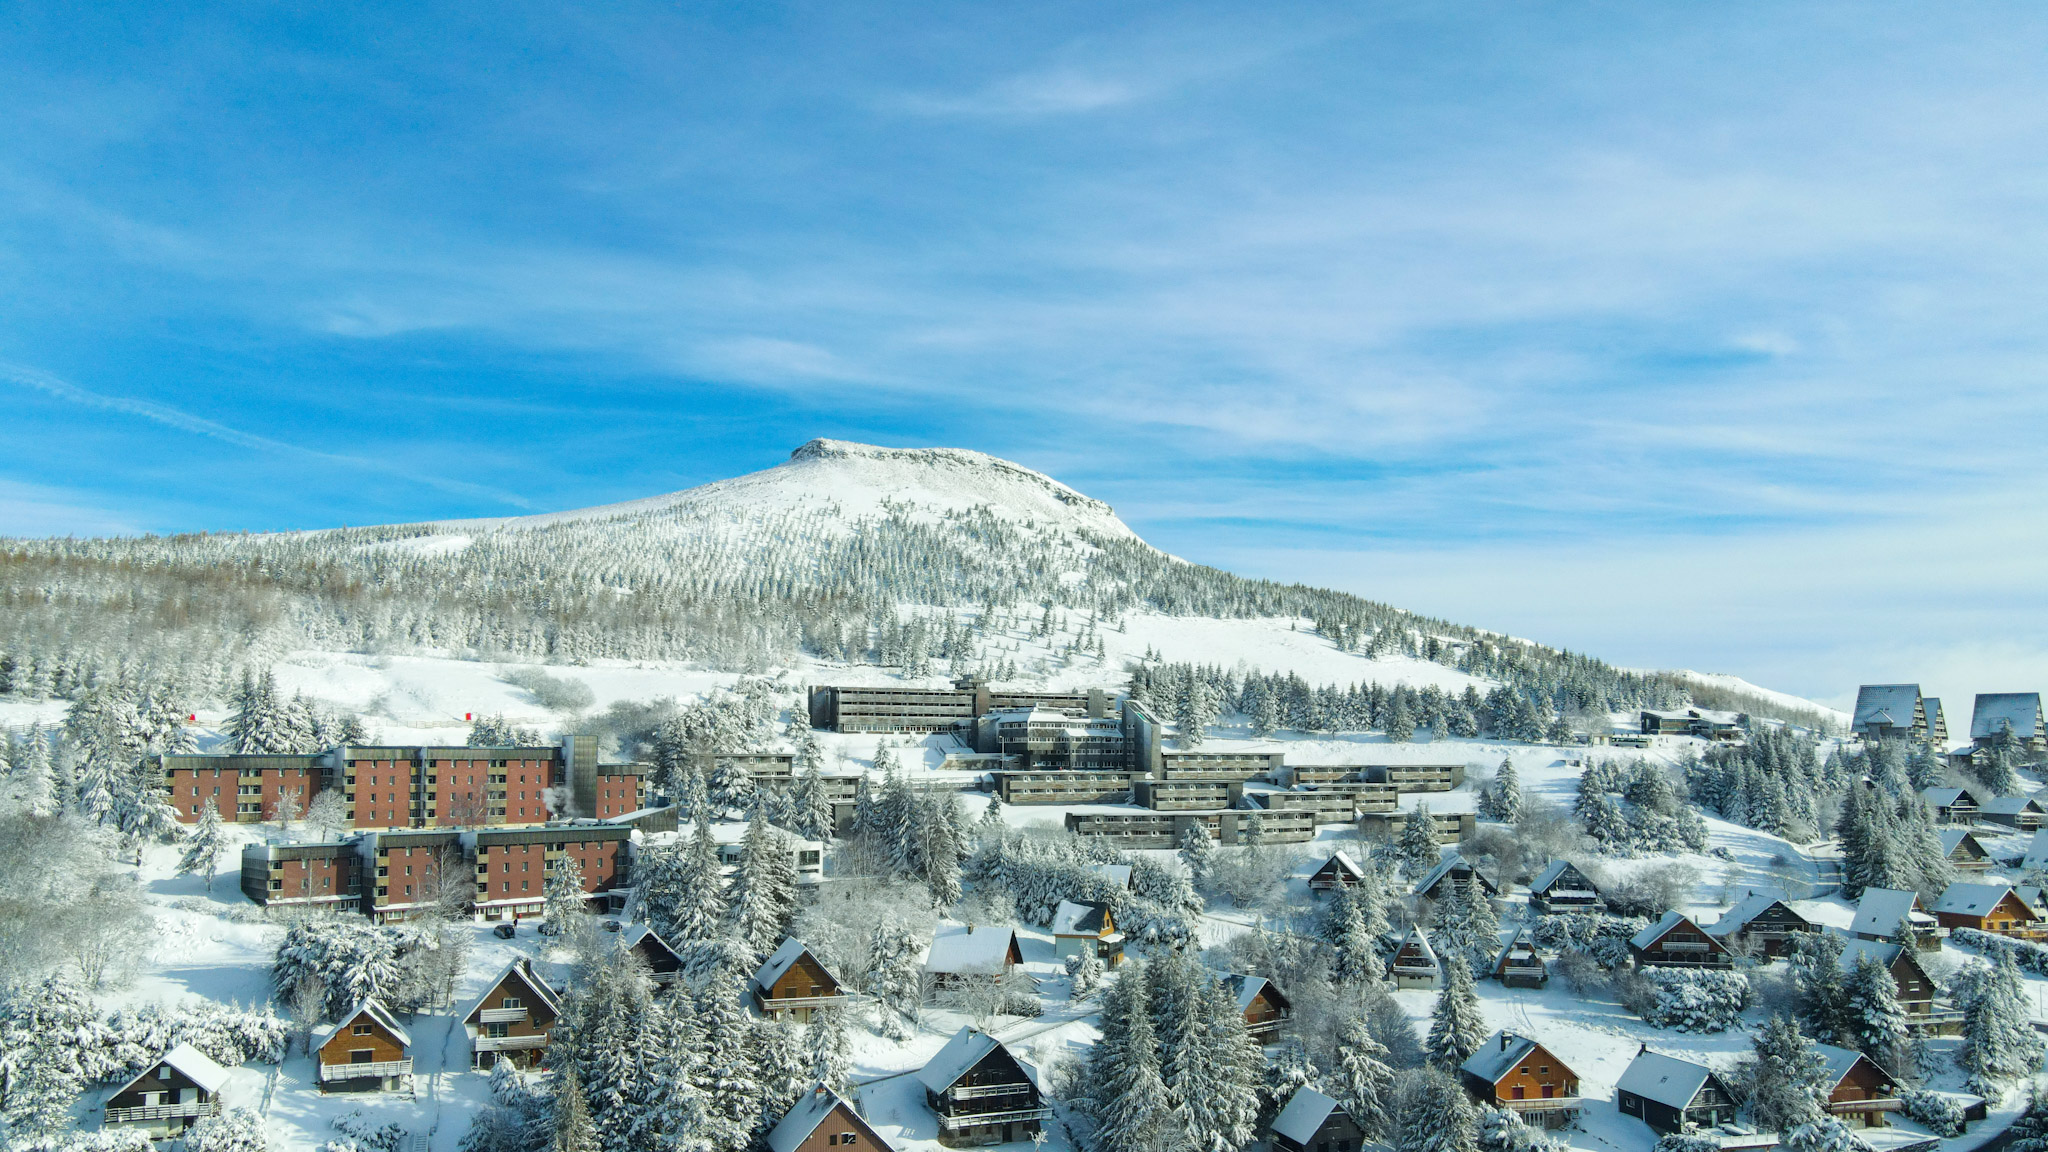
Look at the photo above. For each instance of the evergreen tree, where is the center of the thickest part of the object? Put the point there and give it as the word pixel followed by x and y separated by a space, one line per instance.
pixel 205 845
pixel 574 1131
pixel 1870 997
pixel 1457 1028
pixel 698 911
pixel 1786 1077
pixel 1421 847
pixel 1357 959
pixel 1132 1110
pixel 1400 722
pixel 764 889
pixel 567 902
pixel 1434 1115
pixel 38 787
pixel 1365 1083
pixel 1197 851
pixel 810 814
pixel 732 787
pixel 725 1073
pixel 828 1049
pixel 894 978
pixel 1823 996
pixel 1826 1134
pixel 1998 1043
pixel 2029 1133
pixel 1502 800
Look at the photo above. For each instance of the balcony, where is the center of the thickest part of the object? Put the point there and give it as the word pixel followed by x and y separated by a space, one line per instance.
pixel 509 1043
pixel 147 1112
pixel 977 1119
pixel 1550 1104
pixel 1531 971
pixel 1849 1107
pixel 501 1015
pixel 983 1091
pixel 801 1001
pixel 1681 946
pixel 378 1070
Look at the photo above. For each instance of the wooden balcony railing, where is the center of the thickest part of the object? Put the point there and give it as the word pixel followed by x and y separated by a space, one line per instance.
pixel 377 1069
pixel 145 1112
pixel 976 1119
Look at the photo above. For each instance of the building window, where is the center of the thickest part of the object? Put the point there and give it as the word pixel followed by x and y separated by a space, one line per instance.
pixel 359 1030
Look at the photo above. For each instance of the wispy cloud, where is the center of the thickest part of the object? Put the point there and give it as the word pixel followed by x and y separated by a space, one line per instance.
pixel 181 421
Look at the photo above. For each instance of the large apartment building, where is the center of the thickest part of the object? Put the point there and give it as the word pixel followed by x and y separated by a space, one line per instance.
pixel 242 789
pixel 899 709
pixel 325 875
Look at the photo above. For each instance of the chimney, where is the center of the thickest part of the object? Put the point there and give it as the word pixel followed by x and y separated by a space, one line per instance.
pixel 1504 1040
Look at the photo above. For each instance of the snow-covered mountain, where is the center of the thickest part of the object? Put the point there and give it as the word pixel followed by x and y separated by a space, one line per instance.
pixel 921 561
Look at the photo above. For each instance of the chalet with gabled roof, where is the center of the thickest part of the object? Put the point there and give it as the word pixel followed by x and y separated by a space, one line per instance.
pixel 1339 871
pixel 981 1093
pixel 1080 927
pixel 2021 812
pixel 1881 912
pixel 1415 963
pixel 1762 920
pixel 512 1019
pixel 664 965
pixel 1312 1122
pixel 1673 1095
pixel 1520 965
pixel 1951 805
pixel 1914 989
pixel 1676 942
pixel 1521 1076
pixel 2020 712
pixel 364 1050
pixel 1563 887
pixel 1453 871
pixel 822 1120
pixel 1890 711
pixel 1965 853
pixel 1998 908
pixel 1860 1092
pixel 1266 1009
pixel 168 1096
pixel 962 953
pixel 793 982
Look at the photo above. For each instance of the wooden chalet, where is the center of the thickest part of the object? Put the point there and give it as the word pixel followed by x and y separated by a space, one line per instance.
pixel 1672 1095
pixel 1859 1091
pixel 1996 713
pixel 513 1018
pixel 1883 913
pixel 1266 1009
pixel 1999 908
pixel 981 1093
pixel 962 953
pixel 823 1121
pixel 2020 812
pixel 1339 871
pixel 1084 926
pixel 663 964
pixel 1520 965
pixel 1312 1122
pixel 1891 711
pixel 1518 1074
pixel 1964 851
pixel 1415 963
pixel 1563 887
pixel 1453 871
pixel 1762 920
pixel 168 1096
pixel 1950 805
pixel 1913 988
pixel 794 983
pixel 364 1050
pixel 1676 942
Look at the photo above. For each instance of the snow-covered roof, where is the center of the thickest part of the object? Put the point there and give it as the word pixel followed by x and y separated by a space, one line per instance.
pixel 1994 709
pixel 1840 1060
pixel 963 949
pixel 1501 1052
pixel 1549 875
pixel 1946 797
pixel 1245 989
pixel 1748 908
pixel 1304 1115
pixel 1345 864
pixel 966 1049
pixel 1522 937
pixel 1971 899
pixel 1655 932
pixel 523 970
pixel 1420 939
pixel 2037 852
pixel 1853 952
pixel 2008 805
pixel 191 1063
pixel 1881 909
pixel 1952 838
pixel 1079 918
pixel 773 968
pixel 635 934
pixel 1443 868
pixel 1117 874
pixel 1885 704
pixel 1666 1079
pixel 374 1011
pixel 800 1121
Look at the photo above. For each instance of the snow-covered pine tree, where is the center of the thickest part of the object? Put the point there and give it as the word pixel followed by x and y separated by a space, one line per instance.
pixel 1421 846
pixel 2029 1133
pixel 1364 1081
pixel 566 899
pixel 731 787
pixel 1823 995
pixel 1433 1114
pixel 810 814
pixel 229 1130
pixel 725 1074
pixel 1132 1110
pixel 700 904
pixel 1356 957
pixel 1457 1027
pixel 828 1049
pixel 1399 724
pixel 1871 1002
pixel 204 845
pixel 1197 851
pixel 1502 800
pixel 1784 1077
pixel 574 1131
pixel 895 979
pixel 1999 1046
pixel 1826 1134
pixel 764 889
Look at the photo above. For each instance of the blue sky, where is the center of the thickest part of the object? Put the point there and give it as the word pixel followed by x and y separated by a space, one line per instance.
pixel 1678 335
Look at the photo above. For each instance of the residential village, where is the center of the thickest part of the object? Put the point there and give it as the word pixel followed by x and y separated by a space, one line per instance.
pixel 912 917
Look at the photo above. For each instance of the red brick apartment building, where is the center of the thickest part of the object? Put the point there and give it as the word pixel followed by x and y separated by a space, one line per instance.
pixel 512 866
pixel 242 789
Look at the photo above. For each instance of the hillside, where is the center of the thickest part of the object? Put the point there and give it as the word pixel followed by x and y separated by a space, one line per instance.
pixel 844 554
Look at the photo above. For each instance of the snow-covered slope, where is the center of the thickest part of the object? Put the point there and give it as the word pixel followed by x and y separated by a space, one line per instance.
pixel 861 479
